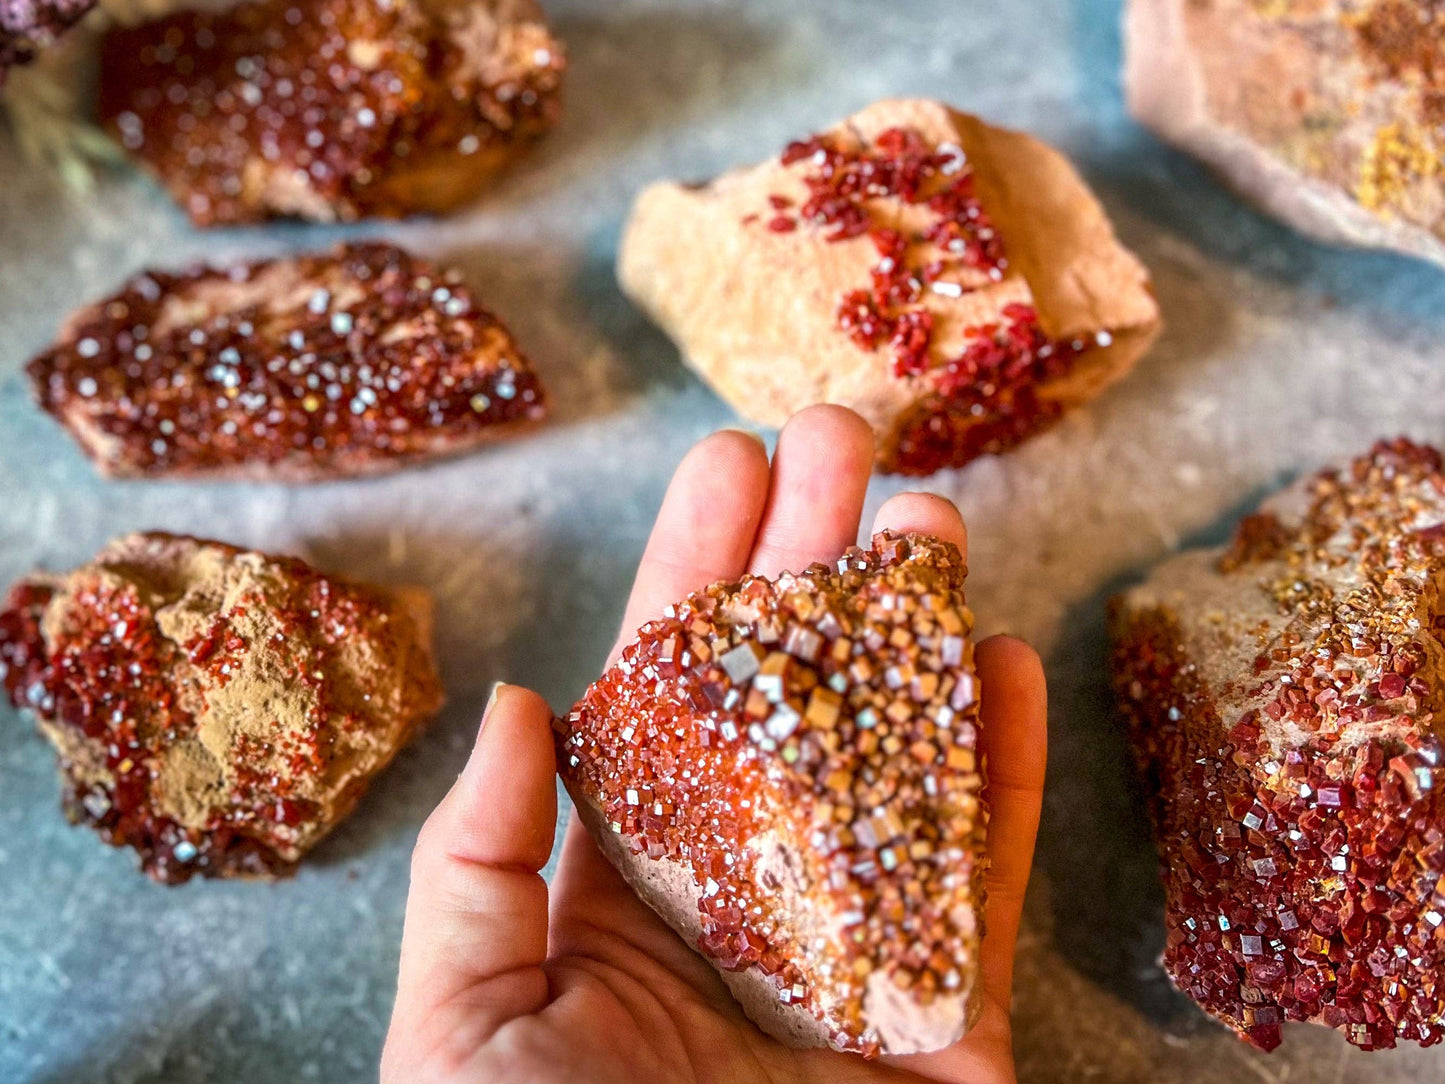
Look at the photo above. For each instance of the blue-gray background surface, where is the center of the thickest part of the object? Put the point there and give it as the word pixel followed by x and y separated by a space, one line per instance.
pixel 1279 355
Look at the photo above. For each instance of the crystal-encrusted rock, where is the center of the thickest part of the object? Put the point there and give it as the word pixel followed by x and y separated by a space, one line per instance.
pixel 28 26
pixel 331 109
pixel 350 362
pixel 789 772
pixel 956 284
pixel 1284 699
pixel 218 710
pixel 1330 115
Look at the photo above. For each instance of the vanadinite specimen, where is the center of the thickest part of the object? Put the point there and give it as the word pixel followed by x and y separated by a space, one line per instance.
pixel 218 710
pixel 788 772
pixel 1328 113
pixel 331 109
pixel 956 284
pixel 352 362
pixel 28 26
pixel 1284 696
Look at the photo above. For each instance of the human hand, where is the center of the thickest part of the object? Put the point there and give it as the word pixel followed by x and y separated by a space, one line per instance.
pixel 502 980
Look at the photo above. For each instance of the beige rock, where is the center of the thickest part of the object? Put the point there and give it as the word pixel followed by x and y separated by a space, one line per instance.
pixel 1329 114
pixel 756 312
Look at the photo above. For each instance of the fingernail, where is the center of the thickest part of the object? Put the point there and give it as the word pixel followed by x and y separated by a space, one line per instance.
pixel 486 714
pixel 491 701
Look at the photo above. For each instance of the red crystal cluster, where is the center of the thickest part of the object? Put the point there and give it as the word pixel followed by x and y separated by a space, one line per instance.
pixel 87 655
pixel 318 364
pixel 1303 837
pixel 834 710
pixel 985 399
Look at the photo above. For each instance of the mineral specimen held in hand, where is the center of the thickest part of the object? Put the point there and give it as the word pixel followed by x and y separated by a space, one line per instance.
pixel 331 109
pixel 1284 697
pixel 788 771
pixel 956 284
pixel 218 710
pixel 1329 115
pixel 352 362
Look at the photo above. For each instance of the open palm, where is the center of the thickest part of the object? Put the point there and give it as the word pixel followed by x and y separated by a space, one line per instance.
pixel 500 983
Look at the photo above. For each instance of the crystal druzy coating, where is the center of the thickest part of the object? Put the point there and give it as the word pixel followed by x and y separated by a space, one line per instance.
pixel 216 710
pixel 1284 698
pixel 806 749
pixel 983 400
pixel 331 109
pixel 311 366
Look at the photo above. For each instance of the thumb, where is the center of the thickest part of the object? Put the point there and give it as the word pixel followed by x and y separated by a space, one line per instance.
pixel 475 936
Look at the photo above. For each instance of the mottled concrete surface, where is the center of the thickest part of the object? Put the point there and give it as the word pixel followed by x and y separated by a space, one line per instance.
pixel 1280 354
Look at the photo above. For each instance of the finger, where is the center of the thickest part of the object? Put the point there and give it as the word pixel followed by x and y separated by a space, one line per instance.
pixel 820 477
pixel 1014 733
pixel 706 525
pixel 475 936
pixel 924 513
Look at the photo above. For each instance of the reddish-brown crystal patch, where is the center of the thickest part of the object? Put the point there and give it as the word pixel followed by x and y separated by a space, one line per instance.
pixel 312 366
pixel 1299 800
pixel 956 250
pixel 331 109
pixel 218 711
pixel 984 399
pixel 828 716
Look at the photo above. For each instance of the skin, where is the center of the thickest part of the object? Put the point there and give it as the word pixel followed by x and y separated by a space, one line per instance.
pixel 504 979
